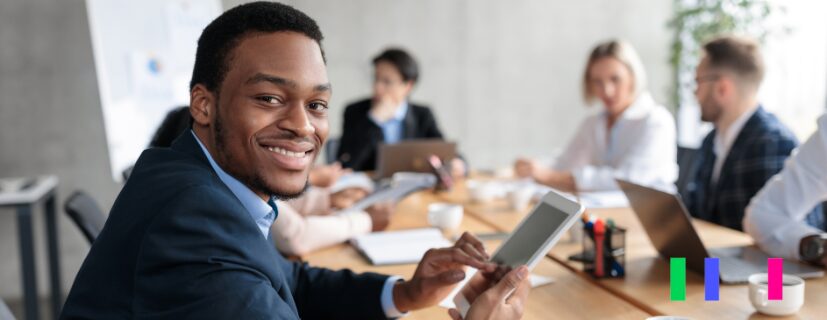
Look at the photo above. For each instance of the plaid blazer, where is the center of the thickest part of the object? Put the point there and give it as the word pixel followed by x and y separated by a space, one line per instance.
pixel 757 154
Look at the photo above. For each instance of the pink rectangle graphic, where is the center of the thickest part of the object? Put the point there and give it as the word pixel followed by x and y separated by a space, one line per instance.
pixel 775 270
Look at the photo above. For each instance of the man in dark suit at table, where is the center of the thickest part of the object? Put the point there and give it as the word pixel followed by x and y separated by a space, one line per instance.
pixel 388 116
pixel 188 235
pixel 747 146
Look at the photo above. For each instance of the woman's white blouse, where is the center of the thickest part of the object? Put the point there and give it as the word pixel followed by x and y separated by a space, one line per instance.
pixel 641 147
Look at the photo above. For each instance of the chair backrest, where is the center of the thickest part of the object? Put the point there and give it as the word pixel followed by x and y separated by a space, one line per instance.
pixel 331 147
pixel 5 313
pixel 824 209
pixel 685 158
pixel 86 214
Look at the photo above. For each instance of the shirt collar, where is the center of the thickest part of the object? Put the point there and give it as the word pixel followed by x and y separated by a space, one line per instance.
pixel 401 111
pixel 640 107
pixel 256 207
pixel 723 141
pixel 399 116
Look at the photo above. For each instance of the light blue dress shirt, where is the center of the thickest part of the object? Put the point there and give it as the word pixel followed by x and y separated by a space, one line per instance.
pixel 392 128
pixel 264 214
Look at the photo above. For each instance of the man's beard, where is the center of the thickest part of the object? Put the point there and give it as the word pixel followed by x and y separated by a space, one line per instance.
pixel 256 181
pixel 713 110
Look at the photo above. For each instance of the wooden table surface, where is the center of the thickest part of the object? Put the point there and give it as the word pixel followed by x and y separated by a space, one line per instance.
pixel 646 284
pixel 571 296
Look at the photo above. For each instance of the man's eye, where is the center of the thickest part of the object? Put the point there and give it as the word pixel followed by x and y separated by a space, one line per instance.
pixel 268 99
pixel 317 106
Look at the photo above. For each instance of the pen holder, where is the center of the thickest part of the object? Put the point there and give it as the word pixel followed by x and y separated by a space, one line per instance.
pixel 613 252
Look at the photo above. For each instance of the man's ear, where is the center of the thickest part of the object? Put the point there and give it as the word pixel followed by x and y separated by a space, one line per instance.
pixel 202 105
pixel 724 88
pixel 409 87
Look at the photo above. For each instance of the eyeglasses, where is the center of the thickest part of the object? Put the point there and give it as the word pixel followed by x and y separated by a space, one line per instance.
pixel 704 78
pixel 387 82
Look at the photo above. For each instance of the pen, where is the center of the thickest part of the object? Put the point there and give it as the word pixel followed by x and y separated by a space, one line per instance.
pixel 599 230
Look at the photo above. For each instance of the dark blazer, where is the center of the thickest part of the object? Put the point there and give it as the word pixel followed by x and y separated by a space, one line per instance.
pixel 361 136
pixel 178 244
pixel 757 154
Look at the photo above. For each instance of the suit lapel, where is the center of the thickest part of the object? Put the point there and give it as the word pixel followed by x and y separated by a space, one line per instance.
pixel 187 144
pixel 409 125
pixel 736 152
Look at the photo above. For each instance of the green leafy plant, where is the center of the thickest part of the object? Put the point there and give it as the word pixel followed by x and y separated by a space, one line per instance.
pixel 697 21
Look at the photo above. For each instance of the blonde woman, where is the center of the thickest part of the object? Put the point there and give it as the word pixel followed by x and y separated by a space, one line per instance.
pixel 633 138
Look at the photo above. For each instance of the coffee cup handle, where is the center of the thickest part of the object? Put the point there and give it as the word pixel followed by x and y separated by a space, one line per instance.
pixel 762 294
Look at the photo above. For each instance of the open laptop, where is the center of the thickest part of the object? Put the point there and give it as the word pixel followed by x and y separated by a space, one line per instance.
pixel 670 229
pixel 411 156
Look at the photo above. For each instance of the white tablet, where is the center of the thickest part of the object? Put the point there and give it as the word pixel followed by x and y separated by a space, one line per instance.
pixel 534 236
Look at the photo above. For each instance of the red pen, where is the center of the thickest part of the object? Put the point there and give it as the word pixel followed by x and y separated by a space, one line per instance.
pixel 599 231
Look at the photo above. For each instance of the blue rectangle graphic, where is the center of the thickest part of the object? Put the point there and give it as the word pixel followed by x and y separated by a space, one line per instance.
pixel 711 274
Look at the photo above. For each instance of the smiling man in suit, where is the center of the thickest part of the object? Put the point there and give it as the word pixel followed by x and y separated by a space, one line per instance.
pixel 187 237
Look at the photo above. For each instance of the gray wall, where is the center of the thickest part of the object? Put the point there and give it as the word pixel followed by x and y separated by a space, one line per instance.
pixel 502 76
pixel 50 122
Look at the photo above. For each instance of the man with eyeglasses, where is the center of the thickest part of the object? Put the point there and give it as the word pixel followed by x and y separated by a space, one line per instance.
pixel 747 146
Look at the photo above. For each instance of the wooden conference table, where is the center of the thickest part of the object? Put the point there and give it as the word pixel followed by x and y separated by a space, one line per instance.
pixel 575 295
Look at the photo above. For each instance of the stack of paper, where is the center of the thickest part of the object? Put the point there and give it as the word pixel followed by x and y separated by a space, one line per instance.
pixel 399 247
pixel 604 199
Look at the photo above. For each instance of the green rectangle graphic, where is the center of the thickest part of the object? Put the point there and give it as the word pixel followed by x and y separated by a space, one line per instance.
pixel 677 279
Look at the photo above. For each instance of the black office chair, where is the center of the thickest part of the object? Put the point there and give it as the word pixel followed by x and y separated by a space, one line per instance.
pixel 5 313
pixel 86 214
pixel 824 208
pixel 331 147
pixel 685 158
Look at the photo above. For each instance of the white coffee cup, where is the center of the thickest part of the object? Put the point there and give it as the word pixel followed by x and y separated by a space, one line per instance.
pixel 792 294
pixel 480 192
pixel 519 197
pixel 445 216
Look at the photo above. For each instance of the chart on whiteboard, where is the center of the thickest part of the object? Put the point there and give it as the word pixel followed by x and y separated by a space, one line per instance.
pixel 144 55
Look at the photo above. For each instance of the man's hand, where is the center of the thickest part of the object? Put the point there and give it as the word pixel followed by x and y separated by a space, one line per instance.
pixel 439 271
pixel 326 176
pixel 524 168
pixel 495 300
pixel 458 168
pixel 346 198
pixel 380 215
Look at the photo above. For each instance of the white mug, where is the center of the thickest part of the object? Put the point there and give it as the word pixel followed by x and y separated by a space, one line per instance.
pixel 480 191
pixel 792 294
pixel 445 216
pixel 519 197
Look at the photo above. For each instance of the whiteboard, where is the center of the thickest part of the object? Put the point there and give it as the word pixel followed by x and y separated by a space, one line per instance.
pixel 144 55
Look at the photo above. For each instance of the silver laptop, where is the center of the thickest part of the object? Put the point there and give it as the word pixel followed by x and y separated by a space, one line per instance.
pixel 411 156
pixel 670 229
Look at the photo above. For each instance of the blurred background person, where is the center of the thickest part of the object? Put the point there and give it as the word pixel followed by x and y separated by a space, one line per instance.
pixel 633 138
pixel 388 116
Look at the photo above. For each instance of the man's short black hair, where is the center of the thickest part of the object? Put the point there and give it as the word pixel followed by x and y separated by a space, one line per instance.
pixel 222 35
pixel 404 63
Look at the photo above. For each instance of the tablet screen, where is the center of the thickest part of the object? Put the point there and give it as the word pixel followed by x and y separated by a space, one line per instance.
pixel 531 236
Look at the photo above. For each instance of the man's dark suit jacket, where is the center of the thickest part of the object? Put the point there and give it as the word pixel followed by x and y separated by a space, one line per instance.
pixel 757 154
pixel 178 244
pixel 361 136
